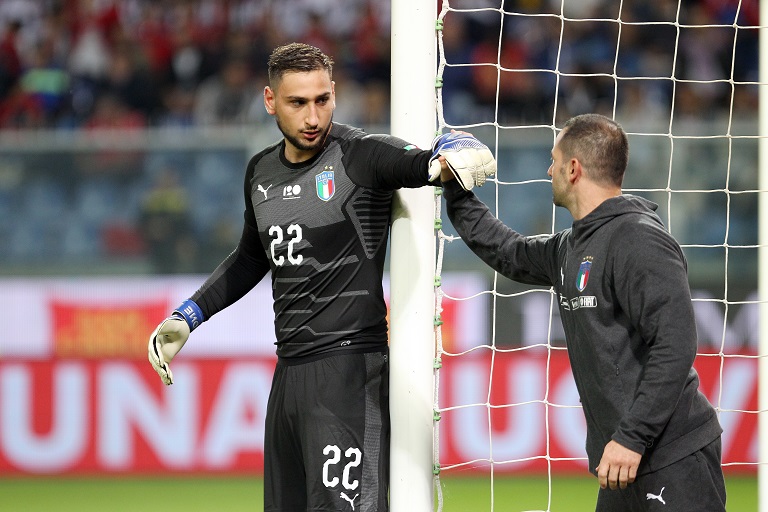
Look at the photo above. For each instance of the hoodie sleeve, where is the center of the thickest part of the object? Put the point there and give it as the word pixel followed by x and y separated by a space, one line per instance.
pixel 526 259
pixel 651 284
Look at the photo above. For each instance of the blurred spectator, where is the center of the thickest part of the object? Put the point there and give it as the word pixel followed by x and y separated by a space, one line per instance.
pixel 90 54
pixel 47 82
pixel 316 34
pixel 112 113
pixel 705 55
pixel 131 82
pixel 375 104
pixel 165 225
pixel 457 75
pixel 10 63
pixel 186 64
pixel 514 92
pixel 371 46
pixel 112 117
pixel 178 105
pixel 21 110
pixel 227 97
pixel 155 39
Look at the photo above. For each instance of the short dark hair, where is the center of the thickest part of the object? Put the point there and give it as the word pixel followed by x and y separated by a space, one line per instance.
pixel 601 145
pixel 296 58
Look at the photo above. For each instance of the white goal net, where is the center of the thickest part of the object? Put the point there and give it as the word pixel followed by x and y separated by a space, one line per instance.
pixel 682 79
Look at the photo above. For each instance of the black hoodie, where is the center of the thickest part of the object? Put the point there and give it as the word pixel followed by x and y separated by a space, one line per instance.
pixel 622 286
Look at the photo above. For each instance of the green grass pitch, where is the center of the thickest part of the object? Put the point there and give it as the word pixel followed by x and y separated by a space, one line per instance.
pixel 569 494
pixel 244 494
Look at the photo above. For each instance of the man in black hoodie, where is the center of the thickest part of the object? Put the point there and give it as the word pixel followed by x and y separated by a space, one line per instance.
pixel 653 439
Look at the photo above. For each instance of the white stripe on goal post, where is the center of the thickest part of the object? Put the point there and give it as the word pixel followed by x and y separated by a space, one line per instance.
pixel 412 262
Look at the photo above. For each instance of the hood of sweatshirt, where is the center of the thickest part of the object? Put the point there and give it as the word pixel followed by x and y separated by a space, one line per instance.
pixel 612 208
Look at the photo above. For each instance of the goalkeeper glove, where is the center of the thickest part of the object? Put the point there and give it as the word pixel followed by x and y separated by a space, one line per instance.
pixel 168 338
pixel 470 161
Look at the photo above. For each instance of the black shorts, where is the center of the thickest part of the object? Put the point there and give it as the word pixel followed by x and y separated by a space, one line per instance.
pixel 326 440
pixel 693 483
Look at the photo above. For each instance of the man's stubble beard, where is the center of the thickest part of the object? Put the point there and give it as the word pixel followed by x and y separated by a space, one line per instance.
pixel 298 143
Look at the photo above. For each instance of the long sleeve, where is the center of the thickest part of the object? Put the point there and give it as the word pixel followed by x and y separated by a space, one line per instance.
pixel 527 259
pixel 235 276
pixel 241 270
pixel 385 162
pixel 652 288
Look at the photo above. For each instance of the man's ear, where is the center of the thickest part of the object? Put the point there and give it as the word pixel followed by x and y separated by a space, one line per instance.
pixel 575 170
pixel 269 100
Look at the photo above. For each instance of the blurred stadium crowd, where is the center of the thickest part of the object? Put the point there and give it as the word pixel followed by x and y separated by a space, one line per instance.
pixel 84 66
pixel 134 63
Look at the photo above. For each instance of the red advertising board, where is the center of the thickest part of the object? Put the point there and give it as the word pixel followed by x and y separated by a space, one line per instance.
pixel 114 416
pixel 521 411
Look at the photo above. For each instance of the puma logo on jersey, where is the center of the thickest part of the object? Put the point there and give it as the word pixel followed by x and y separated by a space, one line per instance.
pixel 263 190
pixel 650 496
pixel 350 500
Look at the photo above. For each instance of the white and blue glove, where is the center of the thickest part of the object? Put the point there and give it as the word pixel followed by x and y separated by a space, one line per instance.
pixel 168 338
pixel 470 161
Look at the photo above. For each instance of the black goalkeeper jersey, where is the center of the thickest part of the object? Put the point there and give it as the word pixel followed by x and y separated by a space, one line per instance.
pixel 321 228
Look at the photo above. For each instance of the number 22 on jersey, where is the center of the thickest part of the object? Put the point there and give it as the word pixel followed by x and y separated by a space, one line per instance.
pixel 294 234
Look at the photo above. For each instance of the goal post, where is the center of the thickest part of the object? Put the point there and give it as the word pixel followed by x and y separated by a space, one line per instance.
pixel 412 263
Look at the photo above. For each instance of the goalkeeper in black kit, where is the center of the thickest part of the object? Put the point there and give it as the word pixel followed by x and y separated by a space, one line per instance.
pixel 653 439
pixel 317 214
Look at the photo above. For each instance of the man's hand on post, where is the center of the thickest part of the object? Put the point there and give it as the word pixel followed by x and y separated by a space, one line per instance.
pixel 468 159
